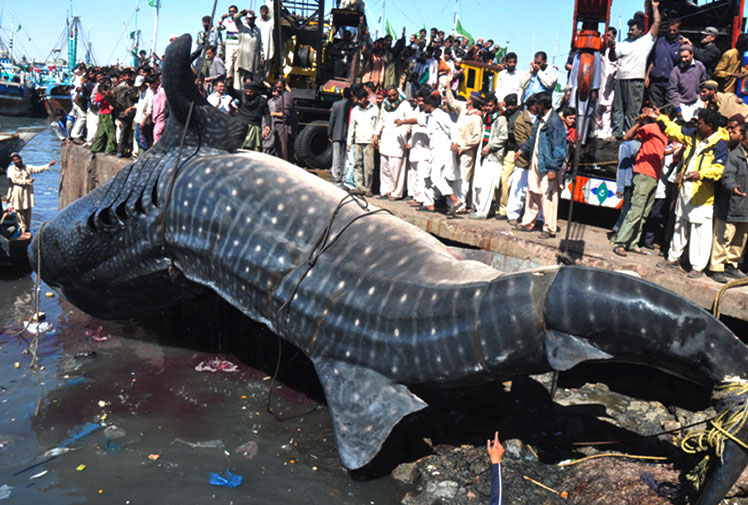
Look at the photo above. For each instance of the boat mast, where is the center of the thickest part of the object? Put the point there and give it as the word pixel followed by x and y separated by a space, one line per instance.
pixel 72 38
pixel 157 5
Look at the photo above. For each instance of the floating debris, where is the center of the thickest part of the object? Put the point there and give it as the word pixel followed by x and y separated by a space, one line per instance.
pixel 230 481
pixel 216 365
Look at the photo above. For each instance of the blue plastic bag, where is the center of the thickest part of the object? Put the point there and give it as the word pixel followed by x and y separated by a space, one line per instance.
pixel 229 481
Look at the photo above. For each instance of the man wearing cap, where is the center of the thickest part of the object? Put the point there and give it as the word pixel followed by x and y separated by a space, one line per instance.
pixel 708 53
pixel 249 59
pixel 729 68
pixel 685 81
pixel 143 113
pixel 255 112
pixel 21 193
pixel 727 104
pixel 631 55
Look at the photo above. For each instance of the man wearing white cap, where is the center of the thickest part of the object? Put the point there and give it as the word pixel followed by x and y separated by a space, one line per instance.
pixel 249 59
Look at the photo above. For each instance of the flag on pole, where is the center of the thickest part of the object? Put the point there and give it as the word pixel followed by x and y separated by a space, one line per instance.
pixel 18 29
pixel 389 31
pixel 462 31
pixel 132 35
pixel 154 3
pixel 501 52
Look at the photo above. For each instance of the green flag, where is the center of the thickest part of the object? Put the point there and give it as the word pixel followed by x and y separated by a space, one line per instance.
pixel 389 31
pixel 132 35
pixel 154 3
pixel 462 31
pixel 501 52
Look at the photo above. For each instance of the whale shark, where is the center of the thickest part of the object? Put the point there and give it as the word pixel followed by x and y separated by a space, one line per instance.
pixel 377 304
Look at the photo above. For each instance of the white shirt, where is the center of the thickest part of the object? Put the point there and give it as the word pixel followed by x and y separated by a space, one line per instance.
pixel 268 40
pixel 220 102
pixel 508 83
pixel 232 32
pixel 362 124
pixel 419 138
pixel 632 57
pixel 144 107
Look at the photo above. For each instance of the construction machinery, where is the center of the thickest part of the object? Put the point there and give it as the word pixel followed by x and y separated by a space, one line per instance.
pixel 319 56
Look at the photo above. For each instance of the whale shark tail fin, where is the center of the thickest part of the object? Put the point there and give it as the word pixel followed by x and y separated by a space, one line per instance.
pixel 208 127
pixel 365 406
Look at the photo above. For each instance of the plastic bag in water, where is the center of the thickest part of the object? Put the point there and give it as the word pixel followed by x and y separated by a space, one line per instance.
pixel 230 480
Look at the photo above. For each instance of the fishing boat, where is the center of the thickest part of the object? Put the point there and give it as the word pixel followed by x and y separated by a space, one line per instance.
pixel 11 142
pixel 13 246
pixel 57 96
pixel 15 98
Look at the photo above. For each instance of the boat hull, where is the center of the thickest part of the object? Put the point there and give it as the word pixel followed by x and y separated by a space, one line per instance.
pixel 15 99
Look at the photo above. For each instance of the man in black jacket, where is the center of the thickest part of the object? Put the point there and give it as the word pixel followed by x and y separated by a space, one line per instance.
pixel 337 133
pixel 731 215
pixel 255 112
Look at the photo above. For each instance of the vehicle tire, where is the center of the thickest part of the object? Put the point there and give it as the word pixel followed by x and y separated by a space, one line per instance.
pixel 312 146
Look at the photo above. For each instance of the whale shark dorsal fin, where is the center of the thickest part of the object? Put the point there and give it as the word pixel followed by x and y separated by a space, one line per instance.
pixel 208 126
pixel 565 351
pixel 364 406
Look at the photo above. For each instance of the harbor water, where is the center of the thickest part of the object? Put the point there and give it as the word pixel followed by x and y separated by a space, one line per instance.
pixel 117 413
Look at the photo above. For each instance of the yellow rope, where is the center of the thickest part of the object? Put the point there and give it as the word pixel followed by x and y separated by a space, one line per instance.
pixel 611 454
pixel 718 297
pixel 725 425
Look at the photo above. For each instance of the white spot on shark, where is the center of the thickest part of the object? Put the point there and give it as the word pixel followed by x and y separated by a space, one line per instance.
pixel 356 322
pixel 371 290
pixel 233 192
pixel 186 203
pixel 341 284
pixel 403 298
pixel 207 171
pixel 228 208
pixel 397 332
pixel 280 206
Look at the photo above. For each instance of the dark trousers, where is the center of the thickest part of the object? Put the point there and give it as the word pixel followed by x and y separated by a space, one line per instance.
pixel 124 145
pixel 658 94
pixel 627 104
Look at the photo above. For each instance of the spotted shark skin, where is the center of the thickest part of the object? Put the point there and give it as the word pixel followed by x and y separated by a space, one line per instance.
pixel 385 306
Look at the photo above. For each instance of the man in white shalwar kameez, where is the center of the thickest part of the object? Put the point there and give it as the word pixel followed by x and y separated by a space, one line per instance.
pixel 445 172
pixel 419 154
pixel 492 151
pixel 392 139
pixel 21 191
pixel 249 56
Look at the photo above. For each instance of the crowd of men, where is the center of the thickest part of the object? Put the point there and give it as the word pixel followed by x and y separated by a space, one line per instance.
pixel 403 128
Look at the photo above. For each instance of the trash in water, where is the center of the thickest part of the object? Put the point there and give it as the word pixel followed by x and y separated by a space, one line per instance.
pixel 80 467
pixel 5 491
pixel 97 335
pixel 75 380
pixel 40 474
pixel 208 444
pixel 56 452
pixel 38 328
pixel 49 294
pixel 85 354
pixel 248 450
pixel 216 365
pixel 112 446
pixel 230 480
pixel 114 432
pixel 78 433
pixel 154 457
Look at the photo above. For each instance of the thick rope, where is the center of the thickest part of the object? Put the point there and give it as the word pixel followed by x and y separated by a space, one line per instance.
pixel 717 310
pixel 731 398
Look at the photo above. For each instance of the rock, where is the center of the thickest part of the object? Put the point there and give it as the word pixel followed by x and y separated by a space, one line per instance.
pixel 407 473
pixel 437 493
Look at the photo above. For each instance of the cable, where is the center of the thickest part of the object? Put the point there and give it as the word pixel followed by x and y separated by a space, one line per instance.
pixel 319 247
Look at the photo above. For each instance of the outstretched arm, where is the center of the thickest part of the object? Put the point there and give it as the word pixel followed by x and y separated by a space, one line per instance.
pixel 496 453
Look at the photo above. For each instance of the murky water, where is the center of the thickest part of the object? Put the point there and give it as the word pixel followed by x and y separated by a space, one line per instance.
pixel 161 426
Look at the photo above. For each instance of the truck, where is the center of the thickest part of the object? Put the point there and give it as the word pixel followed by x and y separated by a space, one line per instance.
pixel 319 57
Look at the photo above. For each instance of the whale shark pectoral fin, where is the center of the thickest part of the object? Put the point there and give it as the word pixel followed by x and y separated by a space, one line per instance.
pixel 565 351
pixel 365 406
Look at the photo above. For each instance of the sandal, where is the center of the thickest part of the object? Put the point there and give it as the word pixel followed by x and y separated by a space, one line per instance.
pixel 619 250
pixel 524 227
pixel 545 235
pixel 457 209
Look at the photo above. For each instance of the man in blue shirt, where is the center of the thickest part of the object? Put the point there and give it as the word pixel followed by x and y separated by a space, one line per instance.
pixel 665 58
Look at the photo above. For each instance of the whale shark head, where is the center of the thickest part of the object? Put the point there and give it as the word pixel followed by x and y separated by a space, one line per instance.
pixel 112 239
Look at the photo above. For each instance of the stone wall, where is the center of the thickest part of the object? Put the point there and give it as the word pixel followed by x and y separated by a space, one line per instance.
pixel 81 171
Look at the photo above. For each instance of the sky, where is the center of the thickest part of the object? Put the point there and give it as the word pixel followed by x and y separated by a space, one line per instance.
pixel 527 25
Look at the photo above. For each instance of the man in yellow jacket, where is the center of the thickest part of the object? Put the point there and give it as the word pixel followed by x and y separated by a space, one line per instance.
pixel 704 158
